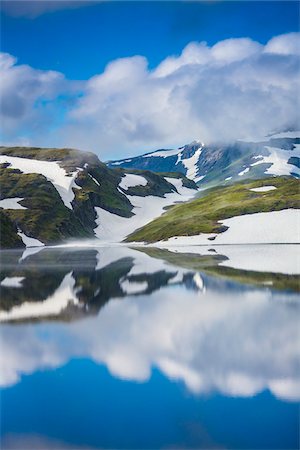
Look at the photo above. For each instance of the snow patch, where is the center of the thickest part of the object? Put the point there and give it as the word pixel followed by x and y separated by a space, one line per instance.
pixel 191 164
pixel 263 189
pixel 94 179
pixel 29 241
pixel 12 203
pixel 162 153
pixel 130 180
pixel 274 227
pixel 278 158
pixel 51 170
pixel 243 172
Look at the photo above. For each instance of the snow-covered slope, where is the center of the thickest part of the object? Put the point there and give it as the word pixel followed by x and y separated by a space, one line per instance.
pixel 62 181
pixel 115 228
pixel 275 227
pixel 277 154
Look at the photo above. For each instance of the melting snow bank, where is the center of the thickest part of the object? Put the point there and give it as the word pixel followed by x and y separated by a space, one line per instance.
pixel 113 228
pixel 51 170
pixel 275 227
pixel 28 241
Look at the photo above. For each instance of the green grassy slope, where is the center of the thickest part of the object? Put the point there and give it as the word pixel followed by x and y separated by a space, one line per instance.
pixel 203 214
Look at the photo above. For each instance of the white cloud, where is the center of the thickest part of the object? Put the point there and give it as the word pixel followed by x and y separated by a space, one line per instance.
pixel 26 95
pixel 288 44
pixel 236 89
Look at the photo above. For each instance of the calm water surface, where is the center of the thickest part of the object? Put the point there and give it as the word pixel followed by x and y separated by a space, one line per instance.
pixel 144 348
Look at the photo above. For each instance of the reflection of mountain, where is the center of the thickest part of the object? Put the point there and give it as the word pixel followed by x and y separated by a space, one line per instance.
pixel 73 283
pixel 70 283
pixel 221 337
pixel 214 266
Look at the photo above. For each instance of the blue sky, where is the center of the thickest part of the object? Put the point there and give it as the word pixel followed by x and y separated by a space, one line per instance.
pixel 121 78
pixel 80 42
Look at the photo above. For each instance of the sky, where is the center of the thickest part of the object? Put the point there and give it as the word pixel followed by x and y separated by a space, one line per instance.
pixel 122 78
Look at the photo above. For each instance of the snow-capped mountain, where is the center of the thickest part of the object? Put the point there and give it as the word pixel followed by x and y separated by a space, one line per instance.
pixel 278 154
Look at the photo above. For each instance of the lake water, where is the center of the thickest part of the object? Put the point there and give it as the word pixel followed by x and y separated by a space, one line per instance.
pixel 148 348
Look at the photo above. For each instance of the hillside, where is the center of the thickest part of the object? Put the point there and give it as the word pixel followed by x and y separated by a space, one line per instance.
pixel 49 195
pixel 213 164
pixel 205 218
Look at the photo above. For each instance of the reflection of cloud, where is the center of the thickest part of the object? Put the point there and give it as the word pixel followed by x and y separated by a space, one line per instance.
pixel 235 342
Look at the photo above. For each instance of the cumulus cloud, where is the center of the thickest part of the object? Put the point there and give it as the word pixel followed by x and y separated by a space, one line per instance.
pixel 237 88
pixel 31 101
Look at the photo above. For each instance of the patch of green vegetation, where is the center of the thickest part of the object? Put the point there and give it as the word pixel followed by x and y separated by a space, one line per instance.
pixel 204 214
pixel 8 232
pixel 46 217
pixel 67 158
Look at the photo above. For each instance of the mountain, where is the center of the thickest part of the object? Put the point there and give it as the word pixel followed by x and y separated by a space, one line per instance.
pixel 209 165
pixel 260 211
pixel 49 195
pixel 52 195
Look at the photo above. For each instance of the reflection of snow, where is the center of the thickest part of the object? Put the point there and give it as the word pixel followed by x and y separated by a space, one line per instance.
pixel 237 342
pixel 259 258
pixel 15 282
pixel 52 306
pixel 133 287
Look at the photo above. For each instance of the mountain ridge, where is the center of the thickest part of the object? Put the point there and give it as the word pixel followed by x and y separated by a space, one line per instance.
pixel 210 165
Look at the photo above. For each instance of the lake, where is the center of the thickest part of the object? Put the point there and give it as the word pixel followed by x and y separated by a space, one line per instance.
pixel 147 348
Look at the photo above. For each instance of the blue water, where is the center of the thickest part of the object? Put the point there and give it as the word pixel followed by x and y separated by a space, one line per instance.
pixel 141 362
pixel 82 404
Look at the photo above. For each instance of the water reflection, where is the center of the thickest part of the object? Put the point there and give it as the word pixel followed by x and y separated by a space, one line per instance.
pixel 189 315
